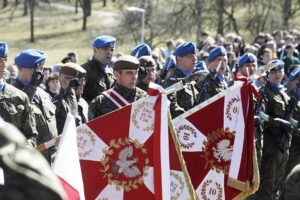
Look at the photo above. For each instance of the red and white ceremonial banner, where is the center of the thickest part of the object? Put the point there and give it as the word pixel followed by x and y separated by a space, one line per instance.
pixel 217 142
pixel 66 165
pixel 125 154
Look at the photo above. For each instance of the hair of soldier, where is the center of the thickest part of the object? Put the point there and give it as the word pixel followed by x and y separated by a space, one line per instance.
pixel 52 76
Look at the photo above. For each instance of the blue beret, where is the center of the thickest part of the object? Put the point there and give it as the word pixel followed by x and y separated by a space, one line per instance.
pixel 279 64
pixel 294 74
pixel 3 50
pixel 141 50
pixel 218 51
pixel 200 65
pixel 247 58
pixel 104 41
pixel 30 58
pixel 185 49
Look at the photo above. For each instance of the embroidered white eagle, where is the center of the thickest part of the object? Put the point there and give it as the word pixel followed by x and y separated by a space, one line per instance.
pixel 223 151
pixel 126 166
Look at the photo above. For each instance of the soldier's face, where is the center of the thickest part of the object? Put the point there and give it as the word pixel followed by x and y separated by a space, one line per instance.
pixel 219 61
pixel 104 55
pixel 150 75
pixel 2 66
pixel 276 76
pixel 126 78
pixel 187 62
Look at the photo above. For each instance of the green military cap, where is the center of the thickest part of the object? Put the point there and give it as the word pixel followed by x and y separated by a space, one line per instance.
pixel 147 61
pixel 72 69
pixel 126 62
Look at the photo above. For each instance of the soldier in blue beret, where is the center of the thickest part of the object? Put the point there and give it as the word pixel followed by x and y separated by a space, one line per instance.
pixel 246 66
pixel 15 107
pixel 141 50
pixel 31 63
pixel 184 99
pixel 276 140
pixel 214 82
pixel 99 76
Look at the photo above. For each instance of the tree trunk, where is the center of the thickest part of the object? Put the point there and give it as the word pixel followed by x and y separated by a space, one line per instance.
pixel 220 9
pixel 286 13
pixel 25 9
pixel 5 3
pixel 88 7
pixel 198 15
pixel 17 2
pixel 85 14
pixel 76 6
pixel 104 3
pixel 32 2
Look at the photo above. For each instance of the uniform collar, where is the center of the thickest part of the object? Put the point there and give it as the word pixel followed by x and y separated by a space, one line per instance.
pixel 124 91
pixel 103 67
pixel 185 72
pixel 277 86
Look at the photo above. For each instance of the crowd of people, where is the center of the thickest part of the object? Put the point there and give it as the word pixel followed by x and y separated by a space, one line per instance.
pixel 37 98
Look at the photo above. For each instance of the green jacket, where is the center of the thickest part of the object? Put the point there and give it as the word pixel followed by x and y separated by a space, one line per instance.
pixel 16 109
pixel 97 80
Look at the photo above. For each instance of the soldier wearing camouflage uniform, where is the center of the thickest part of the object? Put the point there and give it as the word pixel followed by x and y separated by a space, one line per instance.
pixel 27 175
pixel 184 99
pixel 99 76
pixel 294 90
pixel 275 150
pixel 14 104
pixel 291 185
pixel 71 76
pixel 123 93
pixel 146 72
pixel 214 82
pixel 30 63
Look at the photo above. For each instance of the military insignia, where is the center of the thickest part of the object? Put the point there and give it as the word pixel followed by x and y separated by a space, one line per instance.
pixel 218 149
pixel 186 135
pixel 143 116
pixel 177 185
pixel 85 138
pixel 211 190
pixel 231 108
pixel 125 163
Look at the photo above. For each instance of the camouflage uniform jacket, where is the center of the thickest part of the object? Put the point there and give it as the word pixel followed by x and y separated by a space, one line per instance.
pixel 65 102
pixel 97 79
pixel 184 99
pixel 16 109
pixel 27 175
pixel 209 87
pixel 83 110
pixel 44 113
pixel 101 105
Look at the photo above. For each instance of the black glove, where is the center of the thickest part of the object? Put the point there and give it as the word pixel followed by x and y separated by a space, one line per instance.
pixel 142 73
pixel 74 83
pixel 36 78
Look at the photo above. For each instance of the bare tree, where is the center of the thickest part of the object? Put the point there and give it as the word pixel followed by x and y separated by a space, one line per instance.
pixel 32 5
pixel 289 10
pixel 5 3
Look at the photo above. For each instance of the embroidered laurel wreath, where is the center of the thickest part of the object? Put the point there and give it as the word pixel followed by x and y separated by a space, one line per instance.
pixel 120 166
pixel 175 189
pixel 211 191
pixel 82 141
pixel 218 149
pixel 143 114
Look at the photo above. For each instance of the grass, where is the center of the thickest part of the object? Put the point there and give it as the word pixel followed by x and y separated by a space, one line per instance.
pixel 57 32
